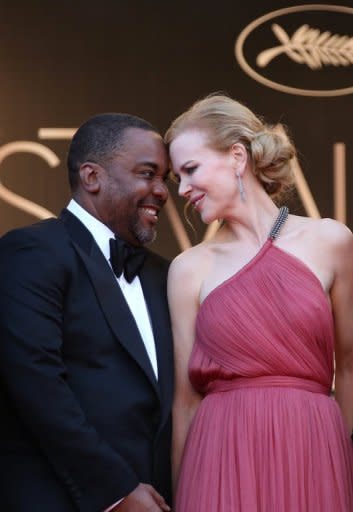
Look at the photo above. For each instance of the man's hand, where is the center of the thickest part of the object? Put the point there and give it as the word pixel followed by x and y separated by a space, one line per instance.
pixel 142 499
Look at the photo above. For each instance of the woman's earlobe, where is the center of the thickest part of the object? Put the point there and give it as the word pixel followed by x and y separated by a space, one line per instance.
pixel 240 157
pixel 239 152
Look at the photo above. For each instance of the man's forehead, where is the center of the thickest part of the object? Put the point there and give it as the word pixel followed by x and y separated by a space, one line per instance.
pixel 141 137
pixel 146 145
pixel 147 148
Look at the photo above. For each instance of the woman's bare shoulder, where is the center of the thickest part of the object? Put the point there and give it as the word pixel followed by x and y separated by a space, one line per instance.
pixel 186 274
pixel 191 261
pixel 335 231
pixel 329 237
pixel 327 229
pixel 339 242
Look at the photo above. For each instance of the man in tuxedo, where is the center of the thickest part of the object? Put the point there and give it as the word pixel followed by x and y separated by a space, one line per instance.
pixel 85 342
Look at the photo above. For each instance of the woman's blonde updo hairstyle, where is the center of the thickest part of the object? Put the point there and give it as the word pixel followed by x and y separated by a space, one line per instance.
pixel 226 122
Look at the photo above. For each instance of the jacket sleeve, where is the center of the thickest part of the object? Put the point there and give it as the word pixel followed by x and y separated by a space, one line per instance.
pixel 33 282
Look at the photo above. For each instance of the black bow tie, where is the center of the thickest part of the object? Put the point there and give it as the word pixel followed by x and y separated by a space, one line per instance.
pixel 126 258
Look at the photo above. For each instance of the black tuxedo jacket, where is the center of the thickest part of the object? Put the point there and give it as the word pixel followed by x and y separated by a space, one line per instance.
pixel 83 419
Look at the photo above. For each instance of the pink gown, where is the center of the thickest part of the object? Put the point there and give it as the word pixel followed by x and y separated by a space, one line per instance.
pixel 267 436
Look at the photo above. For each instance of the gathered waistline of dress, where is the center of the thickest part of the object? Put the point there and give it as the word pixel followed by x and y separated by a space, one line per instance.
pixel 266 381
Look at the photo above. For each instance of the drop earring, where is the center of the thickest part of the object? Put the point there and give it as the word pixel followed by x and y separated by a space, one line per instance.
pixel 240 187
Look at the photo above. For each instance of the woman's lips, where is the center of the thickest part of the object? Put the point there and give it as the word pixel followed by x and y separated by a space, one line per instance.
pixel 196 201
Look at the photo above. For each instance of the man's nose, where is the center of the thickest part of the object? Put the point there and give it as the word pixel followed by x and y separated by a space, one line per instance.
pixel 160 189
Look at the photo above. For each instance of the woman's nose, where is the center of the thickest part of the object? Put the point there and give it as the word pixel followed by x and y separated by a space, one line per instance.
pixel 184 188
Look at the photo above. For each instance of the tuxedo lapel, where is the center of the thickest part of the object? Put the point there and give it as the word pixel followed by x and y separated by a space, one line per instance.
pixel 154 289
pixel 109 295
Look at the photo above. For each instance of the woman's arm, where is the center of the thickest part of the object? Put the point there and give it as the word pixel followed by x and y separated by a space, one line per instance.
pixel 342 303
pixel 184 303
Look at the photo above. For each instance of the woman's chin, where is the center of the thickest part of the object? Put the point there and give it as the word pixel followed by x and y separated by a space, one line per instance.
pixel 207 219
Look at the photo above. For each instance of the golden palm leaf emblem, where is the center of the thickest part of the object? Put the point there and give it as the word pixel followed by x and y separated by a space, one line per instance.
pixel 311 47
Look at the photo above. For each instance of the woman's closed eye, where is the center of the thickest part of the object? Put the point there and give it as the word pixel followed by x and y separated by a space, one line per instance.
pixel 190 169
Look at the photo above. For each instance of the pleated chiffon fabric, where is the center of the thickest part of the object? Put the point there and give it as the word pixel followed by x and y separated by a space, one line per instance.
pixel 267 436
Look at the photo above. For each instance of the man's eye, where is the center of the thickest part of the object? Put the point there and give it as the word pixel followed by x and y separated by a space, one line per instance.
pixel 148 173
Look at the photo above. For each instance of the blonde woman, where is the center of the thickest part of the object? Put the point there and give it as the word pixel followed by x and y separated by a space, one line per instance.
pixel 258 312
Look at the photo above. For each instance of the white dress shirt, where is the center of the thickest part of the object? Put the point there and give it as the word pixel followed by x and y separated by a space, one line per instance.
pixel 132 291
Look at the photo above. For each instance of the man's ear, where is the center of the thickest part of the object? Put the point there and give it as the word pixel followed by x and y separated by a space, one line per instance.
pixel 240 156
pixel 89 177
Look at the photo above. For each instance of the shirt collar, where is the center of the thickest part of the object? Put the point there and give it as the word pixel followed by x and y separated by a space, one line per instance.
pixel 100 232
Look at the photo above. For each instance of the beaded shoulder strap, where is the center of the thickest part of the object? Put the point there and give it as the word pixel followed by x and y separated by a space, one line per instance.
pixel 281 219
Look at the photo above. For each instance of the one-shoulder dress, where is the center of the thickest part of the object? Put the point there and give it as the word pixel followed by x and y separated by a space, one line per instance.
pixel 267 436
